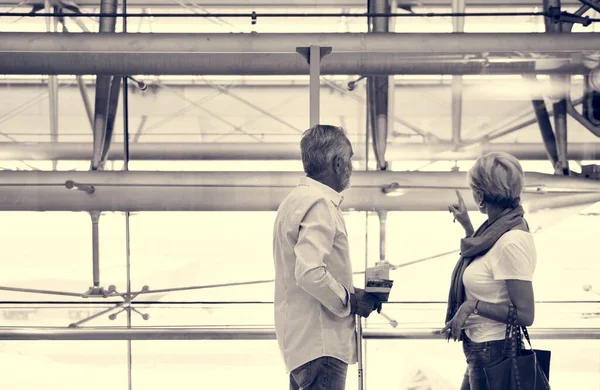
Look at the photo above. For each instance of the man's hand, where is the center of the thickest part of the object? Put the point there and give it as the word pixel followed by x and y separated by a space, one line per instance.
pixel 363 303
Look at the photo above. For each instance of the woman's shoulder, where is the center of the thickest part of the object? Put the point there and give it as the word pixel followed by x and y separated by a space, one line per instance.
pixel 518 237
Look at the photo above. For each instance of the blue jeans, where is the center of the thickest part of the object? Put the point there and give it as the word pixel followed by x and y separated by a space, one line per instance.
pixel 324 373
pixel 479 355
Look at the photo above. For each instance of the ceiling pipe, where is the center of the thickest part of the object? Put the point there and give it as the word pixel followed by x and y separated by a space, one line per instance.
pixel 230 151
pixel 172 54
pixel 436 44
pixel 259 179
pixel 256 191
pixel 260 64
pixel 187 199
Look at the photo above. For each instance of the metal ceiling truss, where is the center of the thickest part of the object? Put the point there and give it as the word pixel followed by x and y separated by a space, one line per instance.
pixel 555 141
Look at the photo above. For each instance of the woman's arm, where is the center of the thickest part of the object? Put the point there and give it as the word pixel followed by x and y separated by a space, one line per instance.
pixel 515 263
pixel 469 230
pixel 521 296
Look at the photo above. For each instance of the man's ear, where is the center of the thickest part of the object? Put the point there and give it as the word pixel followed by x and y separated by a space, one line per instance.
pixel 338 164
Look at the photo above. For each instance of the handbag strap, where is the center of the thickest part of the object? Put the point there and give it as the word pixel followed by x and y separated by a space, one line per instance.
pixel 513 342
pixel 527 336
pixel 512 338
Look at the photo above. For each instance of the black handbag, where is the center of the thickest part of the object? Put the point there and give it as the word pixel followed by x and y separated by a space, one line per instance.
pixel 519 368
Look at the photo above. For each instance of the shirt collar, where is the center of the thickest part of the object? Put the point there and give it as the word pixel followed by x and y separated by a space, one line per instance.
pixel 335 197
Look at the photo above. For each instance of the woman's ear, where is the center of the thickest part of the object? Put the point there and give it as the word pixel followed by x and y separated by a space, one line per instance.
pixel 478 195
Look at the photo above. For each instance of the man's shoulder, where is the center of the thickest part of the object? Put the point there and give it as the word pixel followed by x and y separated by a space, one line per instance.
pixel 304 195
pixel 300 200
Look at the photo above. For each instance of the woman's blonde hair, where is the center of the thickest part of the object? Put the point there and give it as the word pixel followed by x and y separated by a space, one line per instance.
pixel 499 178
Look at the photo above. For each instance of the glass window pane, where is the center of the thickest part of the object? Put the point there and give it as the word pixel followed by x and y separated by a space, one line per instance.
pixel 203 248
pixel 213 365
pixel 438 365
pixel 61 259
pixel 65 365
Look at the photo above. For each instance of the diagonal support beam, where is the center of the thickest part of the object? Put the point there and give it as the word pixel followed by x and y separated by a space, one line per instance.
pixel 140 129
pixel 113 105
pixel 560 85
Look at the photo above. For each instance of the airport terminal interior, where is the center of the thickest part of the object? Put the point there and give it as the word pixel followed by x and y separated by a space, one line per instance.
pixel 147 144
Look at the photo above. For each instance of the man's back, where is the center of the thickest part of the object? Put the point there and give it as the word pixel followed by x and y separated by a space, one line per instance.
pixel 313 276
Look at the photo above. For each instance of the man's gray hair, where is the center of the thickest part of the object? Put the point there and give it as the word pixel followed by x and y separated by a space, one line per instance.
pixel 499 177
pixel 320 145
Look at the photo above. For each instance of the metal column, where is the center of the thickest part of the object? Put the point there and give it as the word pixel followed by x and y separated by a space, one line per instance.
pixel 95 215
pixel 458 26
pixel 315 84
pixel 313 55
pixel 51 27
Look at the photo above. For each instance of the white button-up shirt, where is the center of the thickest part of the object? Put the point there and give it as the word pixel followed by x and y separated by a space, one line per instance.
pixel 313 277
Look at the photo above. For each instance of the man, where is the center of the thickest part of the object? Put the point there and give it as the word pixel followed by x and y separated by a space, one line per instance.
pixel 315 301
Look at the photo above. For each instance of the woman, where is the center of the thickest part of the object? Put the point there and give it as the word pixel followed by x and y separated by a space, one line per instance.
pixel 495 269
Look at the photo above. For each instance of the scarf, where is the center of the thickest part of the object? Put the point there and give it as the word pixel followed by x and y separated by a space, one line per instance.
pixel 477 245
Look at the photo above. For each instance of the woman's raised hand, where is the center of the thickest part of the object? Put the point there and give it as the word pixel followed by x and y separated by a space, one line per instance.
pixel 460 213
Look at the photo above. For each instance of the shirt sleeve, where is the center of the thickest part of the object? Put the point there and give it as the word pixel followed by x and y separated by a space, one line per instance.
pixel 315 243
pixel 516 261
